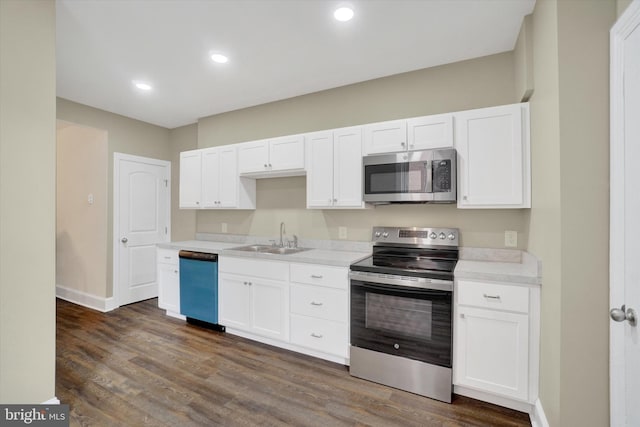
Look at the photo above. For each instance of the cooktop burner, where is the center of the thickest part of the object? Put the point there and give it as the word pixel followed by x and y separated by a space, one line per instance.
pixel 412 251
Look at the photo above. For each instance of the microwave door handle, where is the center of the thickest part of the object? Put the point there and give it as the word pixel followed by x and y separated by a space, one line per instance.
pixel 429 181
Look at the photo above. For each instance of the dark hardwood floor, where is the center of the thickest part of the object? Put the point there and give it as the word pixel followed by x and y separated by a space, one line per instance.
pixel 136 367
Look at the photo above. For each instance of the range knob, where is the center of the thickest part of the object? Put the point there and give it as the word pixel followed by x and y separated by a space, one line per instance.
pixel 385 234
pixel 451 236
pixel 442 236
pixel 378 234
pixel 433 235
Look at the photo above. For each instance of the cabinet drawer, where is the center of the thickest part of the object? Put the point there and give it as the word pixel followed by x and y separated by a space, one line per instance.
pixel 323 275
pixel 322 335
pixel 168 256
pixel 494 296
pixel 274 270
pixel 320 302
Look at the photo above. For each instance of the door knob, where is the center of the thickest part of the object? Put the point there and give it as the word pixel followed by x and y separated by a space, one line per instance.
pixel 621 314
pixel 124 240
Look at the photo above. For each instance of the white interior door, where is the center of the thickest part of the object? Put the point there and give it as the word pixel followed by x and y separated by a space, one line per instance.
pixel 625 219
pixel 141 220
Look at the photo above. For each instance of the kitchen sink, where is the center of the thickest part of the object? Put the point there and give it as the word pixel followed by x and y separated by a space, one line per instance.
pixel 268 249
pixel 285 251
pixel 253 248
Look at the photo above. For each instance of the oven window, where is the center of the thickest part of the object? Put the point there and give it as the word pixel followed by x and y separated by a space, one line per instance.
pixel 404 316
pixel 403 321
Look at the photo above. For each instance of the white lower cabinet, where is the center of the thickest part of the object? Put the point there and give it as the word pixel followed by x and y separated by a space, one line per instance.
pixel 251 300
pixel 320 308
pixel 168 281
pixel 496 340
pixel 297 306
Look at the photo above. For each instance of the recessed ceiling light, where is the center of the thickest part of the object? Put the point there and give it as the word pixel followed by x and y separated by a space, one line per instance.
pixel 343 13
pixel 142 85
pixel 219 58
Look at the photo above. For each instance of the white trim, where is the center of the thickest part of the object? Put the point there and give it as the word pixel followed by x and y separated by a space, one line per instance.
pixel 117 157
pixel 53 401
pixel 507 402
pixel 629 20
pixel 537 416
pixel 288 346
pixel 84 299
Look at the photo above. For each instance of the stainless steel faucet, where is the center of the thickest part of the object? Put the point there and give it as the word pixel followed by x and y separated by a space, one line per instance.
pixel 282 231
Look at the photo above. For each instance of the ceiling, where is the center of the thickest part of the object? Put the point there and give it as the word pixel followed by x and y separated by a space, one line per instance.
pixel 277 49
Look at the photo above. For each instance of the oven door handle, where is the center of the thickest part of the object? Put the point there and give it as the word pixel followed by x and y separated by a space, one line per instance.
pixel 421 283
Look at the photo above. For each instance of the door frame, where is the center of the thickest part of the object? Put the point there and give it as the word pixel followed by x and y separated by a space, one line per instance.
pixel 117 158
pixel 629 20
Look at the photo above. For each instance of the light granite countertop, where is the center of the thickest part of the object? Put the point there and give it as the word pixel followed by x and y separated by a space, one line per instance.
pixel 338 258
pixel 496 265
pixel 509 266
pixel 198 245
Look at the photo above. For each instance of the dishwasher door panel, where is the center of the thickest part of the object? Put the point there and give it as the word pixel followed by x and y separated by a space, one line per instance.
pixel 199 290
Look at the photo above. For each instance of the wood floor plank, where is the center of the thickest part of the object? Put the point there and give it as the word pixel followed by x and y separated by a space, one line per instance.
pixel 135 367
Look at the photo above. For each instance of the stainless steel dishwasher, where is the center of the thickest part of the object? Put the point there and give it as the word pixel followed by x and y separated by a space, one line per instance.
pixel 199 288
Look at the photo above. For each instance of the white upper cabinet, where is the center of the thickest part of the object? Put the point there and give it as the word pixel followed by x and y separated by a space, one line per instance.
pixel 190 179
pixel 385 137
pixel 493 157
pixel 334 172
pixel 429 132
pixel 209 180
pixel 418 133
pixel 272 157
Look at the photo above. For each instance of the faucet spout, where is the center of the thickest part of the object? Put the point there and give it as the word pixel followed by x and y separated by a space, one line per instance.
pixel 282 231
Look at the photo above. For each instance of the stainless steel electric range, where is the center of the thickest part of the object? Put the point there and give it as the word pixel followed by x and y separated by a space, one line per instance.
pixel 401 310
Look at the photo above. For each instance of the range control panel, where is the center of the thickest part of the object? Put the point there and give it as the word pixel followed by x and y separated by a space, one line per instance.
pixel 416 236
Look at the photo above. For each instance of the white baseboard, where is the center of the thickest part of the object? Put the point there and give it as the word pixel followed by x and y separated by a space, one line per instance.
pixel 517 405
pixel 537 416
pixel 53 401
pixel 87 300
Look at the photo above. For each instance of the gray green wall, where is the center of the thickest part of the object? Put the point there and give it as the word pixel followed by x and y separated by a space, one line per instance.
pixel 569 218
pixel 27 201
pixel 125 135
pixel 476 83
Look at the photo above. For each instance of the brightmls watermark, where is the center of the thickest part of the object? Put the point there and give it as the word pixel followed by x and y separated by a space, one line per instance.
pixel 34 415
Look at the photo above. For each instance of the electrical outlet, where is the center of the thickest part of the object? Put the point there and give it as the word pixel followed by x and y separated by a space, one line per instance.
pixel 511 239
pixel 90 198
pixel 342 232
pixel 224 227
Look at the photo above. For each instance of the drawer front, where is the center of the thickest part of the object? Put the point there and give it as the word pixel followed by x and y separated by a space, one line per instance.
pixel 494 296
pixel 168 256
pixel 323 275
pixel 274 270
pixel 322 335
pixel 320 302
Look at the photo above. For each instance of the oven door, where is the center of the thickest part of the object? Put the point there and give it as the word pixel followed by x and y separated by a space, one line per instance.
pixel 404 321
pixel 402 177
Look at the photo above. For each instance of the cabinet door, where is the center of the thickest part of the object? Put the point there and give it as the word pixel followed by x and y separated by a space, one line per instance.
pixel 210 178
pixel 320 170
pixel 428 132
pixel 493 157
pixel 270 308
pixel 169 287
pixel 228 178
pixel 233 301
pixel 491 351
pixel 190 179
pixel 286 153
pixel 385 137
pixel 253 156
pixel 347 167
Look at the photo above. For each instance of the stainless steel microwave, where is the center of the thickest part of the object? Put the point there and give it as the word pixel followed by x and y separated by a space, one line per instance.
pixel 427 176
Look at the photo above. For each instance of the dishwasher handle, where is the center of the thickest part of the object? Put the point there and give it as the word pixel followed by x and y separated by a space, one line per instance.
pixel 198 256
